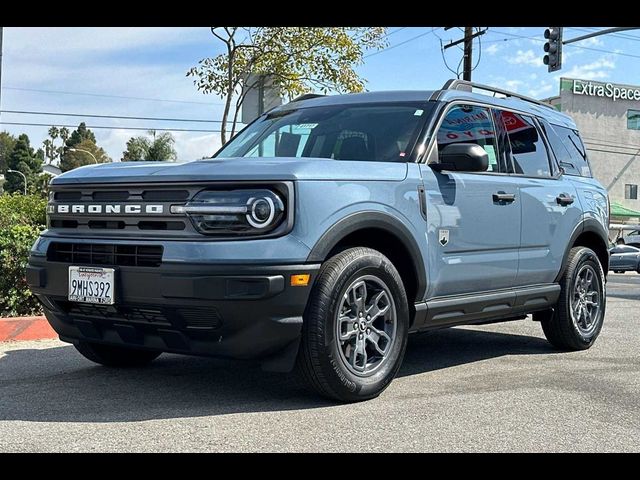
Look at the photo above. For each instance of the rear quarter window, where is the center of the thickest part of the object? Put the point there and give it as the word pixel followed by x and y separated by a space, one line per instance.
pixel 568 149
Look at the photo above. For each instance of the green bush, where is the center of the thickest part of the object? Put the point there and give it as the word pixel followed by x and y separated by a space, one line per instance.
pixel 22 218
pixel 22 210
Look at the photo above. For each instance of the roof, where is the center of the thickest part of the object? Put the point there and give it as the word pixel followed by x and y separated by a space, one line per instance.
pixel 618 210
pixel 366 97
pixel 537 109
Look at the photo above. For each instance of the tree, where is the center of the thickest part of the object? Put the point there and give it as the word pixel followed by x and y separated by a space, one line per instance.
pixel 296 59
pixel 137 149
pixel 50 150
pixel 76 159
pixel 158 148
pixel 64 134
pixel 7 143
pixel 79 135
pixel 161 148
pixel 23 159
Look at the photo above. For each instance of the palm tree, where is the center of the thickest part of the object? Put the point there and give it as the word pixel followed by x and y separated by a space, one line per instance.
pixel 53 133
pixel 51 152
pixel 64 135
pixel 48 150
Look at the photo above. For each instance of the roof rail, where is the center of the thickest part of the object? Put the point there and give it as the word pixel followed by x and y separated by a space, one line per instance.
pixel 307 96
pixel 465 85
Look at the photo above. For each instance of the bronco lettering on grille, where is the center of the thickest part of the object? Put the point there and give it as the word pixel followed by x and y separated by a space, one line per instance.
pixel 107 209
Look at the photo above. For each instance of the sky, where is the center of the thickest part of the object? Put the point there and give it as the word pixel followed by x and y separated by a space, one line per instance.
pixel 142 72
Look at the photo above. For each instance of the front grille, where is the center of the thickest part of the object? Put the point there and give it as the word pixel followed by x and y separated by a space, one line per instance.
pixel 104 254
pixel 190 318
pixel 92 219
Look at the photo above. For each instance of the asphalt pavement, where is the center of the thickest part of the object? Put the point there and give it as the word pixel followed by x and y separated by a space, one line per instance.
pixel 486 388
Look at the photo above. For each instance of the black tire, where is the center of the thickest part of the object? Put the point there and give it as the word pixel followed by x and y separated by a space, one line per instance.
pixel 558 324
pixel 321 358
pixel 113 356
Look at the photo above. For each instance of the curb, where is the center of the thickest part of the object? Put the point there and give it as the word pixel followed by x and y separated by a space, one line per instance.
pixel 25 328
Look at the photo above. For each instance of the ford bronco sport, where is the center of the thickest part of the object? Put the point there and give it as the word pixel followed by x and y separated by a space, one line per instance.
pixel 329 229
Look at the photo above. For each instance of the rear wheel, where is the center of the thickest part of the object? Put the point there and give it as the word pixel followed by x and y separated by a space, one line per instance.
pixel 112 356
pixel 576 320
pixel 355 326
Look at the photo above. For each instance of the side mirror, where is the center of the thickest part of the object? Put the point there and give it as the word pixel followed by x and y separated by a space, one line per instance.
pixel 462 157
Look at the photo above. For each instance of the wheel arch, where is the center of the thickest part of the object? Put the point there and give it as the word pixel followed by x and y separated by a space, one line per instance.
pixel 382 232
pixel 590 233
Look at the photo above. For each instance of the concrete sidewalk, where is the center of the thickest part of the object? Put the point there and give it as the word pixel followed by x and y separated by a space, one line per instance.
pixel 25 328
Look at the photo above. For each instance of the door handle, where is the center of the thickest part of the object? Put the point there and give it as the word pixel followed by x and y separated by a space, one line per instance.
pixel 563 199
pixel 504 197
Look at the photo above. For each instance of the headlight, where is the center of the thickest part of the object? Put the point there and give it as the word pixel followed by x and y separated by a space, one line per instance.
pixel 234 212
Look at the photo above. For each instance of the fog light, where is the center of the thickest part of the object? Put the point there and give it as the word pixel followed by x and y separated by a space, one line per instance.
pixel 301 280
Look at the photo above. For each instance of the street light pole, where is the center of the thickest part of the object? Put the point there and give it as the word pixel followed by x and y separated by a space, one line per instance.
pixel 84 151
pixel 23 176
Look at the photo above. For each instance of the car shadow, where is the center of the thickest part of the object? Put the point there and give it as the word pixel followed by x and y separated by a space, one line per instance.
pixel 450 347
pixel 58 385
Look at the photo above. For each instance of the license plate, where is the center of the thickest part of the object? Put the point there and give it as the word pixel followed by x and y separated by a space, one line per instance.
pixel 91 285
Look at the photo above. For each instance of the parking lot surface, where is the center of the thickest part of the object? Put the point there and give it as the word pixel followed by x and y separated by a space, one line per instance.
pixel 484 388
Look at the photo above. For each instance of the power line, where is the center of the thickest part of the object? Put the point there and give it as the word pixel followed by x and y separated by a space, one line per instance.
pixel 62 92
pixel 394 31
pixel 125 117
pixel 106 127
pixel 398 44
pixel 514 35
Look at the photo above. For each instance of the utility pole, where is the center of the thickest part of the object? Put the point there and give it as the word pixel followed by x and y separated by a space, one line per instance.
pixel 468 49
pixel 468 53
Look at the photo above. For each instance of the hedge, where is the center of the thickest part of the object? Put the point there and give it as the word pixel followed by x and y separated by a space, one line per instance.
pixel 22 218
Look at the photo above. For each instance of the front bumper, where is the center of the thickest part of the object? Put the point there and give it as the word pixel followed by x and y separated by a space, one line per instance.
pixel 237 311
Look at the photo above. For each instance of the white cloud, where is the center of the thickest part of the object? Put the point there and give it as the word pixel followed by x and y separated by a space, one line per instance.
pixel 192 146
pixel 513 84
pixel 492 49
pixel 544 88
pixel 526 57
pixel 597 69
pixel 590 42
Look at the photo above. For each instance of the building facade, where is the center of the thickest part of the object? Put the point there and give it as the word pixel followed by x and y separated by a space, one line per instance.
pixel 608 117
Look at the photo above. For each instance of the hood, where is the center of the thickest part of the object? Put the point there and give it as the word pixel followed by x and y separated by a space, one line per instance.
pixel 229 169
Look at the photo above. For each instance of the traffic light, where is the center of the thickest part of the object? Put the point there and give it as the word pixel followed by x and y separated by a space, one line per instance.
pixel 553 48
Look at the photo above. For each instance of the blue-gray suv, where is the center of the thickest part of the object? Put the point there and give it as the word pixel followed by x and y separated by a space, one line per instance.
pixel 329 229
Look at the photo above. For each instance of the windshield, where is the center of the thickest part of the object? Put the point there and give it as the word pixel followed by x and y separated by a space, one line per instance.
pixel 373 132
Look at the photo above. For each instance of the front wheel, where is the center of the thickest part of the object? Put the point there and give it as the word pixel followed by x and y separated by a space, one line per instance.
pixel 355 326
pixel 113 356
pixel 576 320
